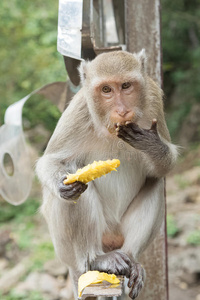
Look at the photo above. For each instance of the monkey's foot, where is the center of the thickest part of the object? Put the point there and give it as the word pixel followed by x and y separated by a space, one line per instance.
pixel 136 280
pixel 115 262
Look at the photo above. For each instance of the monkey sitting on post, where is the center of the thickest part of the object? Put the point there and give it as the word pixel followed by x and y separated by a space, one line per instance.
pixel 118 113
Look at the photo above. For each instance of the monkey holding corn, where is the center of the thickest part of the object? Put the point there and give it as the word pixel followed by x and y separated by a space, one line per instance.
pixel 118 113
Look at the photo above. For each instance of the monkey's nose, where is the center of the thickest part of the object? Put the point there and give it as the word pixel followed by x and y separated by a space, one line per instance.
pixel 125 114
pixel 122 112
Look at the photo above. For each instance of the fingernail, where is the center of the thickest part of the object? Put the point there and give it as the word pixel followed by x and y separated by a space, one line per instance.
pixel 127 122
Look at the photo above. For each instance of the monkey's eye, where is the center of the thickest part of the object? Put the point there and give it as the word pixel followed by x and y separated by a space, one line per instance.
pixel 106 89
pixel 126 85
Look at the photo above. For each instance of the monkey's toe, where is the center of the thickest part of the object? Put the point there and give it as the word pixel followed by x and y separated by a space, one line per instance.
pixel 136 280
pixel 115 262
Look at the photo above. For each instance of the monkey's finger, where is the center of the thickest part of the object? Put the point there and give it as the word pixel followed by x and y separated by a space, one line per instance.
pixel 136 289
pixel 154 125
pixel 72 191
pixel 125 257
pixel 72 185
pixel 63 178
pixel 123 267
pixel 131 130
pixel 78 183
pixel 121 125
pixel 117 268
pixel 128 122
pixel 137 275
pixel 138 285
pixel 67 195
pixel 133 276
pixel 70 195
pixel 66 187
pixel 126 137
pixel 79 187
pixel 133 125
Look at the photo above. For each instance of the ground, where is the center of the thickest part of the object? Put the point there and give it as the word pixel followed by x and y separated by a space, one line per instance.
pixel 183 210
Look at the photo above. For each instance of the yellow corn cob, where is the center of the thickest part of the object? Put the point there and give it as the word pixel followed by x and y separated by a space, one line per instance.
pixel 93 171
pixel 92 277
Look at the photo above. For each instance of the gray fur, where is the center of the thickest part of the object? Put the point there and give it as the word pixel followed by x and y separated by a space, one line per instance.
pixel 131 199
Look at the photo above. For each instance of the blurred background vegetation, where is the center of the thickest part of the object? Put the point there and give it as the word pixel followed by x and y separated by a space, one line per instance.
pixel 28 55
pixel 181 60
pixel 29 60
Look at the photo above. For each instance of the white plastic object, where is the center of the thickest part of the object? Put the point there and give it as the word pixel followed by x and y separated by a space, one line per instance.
pixel 14 188
pixel 69 28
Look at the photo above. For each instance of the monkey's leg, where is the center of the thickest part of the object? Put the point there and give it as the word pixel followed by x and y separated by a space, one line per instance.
pixel 76 228
pixel 55 212
pixel 140 224
pixel 74 276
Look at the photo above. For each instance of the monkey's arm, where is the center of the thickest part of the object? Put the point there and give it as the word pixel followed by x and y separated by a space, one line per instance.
pixel 144 217
pixel 63 152
pixel 51 171
pixel 159 153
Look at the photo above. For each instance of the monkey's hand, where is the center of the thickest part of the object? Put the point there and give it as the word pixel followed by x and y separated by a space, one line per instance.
pixel 136 280
pixel 146 140
pixel 116 262
pixel 71 191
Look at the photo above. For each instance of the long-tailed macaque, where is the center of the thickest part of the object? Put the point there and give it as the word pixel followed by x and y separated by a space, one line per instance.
pixel 118 113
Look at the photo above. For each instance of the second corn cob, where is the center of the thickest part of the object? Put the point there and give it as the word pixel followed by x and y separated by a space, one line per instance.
pixel 92 277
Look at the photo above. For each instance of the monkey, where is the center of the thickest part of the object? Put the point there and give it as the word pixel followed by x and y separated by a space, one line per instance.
pixel 117 113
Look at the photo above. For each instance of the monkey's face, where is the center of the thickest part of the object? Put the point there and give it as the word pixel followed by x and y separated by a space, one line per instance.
pixel 114 85
pixel 117 102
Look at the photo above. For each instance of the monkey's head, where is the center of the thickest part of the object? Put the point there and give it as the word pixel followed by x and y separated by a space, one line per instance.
pixel 114 84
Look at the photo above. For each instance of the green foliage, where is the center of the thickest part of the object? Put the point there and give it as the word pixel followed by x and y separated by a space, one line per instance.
pixel 172 228
pixel 29 58
pixel 42 252
pixel 28 54
pixel 181 181
pixel 24 234
pixel 40 111
pixel 9 212
pixel 181 56
pixel 194 238
pixel 22 221
pixel 30 295
pixel 177 117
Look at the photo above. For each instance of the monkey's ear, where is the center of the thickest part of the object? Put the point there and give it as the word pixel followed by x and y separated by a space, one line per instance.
pixel 141 56
pixel 83 70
